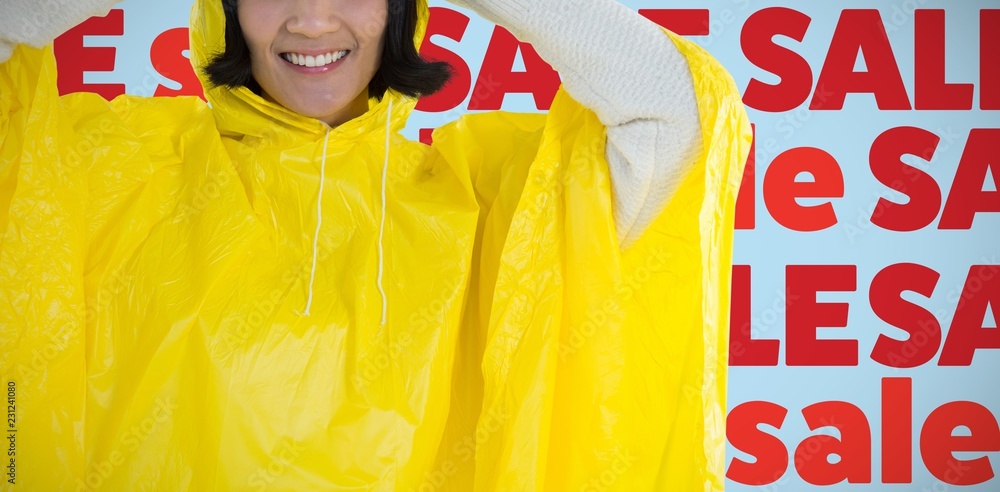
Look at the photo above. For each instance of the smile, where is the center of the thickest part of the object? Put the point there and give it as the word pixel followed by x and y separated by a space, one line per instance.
pixel 314 61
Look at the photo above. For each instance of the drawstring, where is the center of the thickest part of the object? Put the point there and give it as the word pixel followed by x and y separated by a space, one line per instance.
pixel 319 221
pixel 381 226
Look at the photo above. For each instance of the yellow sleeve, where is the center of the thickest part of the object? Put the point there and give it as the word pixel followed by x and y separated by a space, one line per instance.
pixel 82 182
pixel 588 367
pixel 42 251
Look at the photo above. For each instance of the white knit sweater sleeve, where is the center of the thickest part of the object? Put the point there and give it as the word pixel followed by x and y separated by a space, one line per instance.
pixel 624 68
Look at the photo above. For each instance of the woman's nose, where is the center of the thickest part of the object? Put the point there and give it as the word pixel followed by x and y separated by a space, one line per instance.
pixel 313 18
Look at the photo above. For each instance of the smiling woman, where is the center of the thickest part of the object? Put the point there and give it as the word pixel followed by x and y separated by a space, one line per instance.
pixel 534 302
pixel 324 59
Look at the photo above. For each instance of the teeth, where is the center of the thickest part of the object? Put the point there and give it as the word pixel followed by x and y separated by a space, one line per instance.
pixel 314 61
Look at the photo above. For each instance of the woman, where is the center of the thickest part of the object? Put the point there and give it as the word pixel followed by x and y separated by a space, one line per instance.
pixel 278 291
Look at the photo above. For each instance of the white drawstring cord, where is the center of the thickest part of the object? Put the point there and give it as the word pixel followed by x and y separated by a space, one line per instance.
pixel 319 222
pixel 381 227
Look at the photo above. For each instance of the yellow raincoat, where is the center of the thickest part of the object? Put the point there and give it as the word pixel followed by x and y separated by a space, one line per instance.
pixel 156 257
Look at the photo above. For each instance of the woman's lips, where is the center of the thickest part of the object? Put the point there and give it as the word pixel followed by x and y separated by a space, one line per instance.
pixel 290 58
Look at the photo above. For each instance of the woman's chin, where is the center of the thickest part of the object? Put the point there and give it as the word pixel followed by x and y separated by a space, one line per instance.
pixel 319 108
pixel 316 100
pixel 319 112
pixel 332 107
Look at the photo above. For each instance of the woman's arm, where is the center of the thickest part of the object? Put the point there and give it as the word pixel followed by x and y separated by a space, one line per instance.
pixel 624 68
pixel 28 81
pixel 38 22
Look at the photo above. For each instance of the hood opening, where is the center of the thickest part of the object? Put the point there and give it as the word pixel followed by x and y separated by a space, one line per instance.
pixel 243 111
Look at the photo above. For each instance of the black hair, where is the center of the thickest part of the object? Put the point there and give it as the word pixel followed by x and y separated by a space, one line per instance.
pixel 401 68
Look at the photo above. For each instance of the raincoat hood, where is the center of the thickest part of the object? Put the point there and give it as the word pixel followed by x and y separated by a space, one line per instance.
pixel 242 112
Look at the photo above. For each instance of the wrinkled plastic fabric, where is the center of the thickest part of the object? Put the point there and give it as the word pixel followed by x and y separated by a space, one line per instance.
pixel 155 253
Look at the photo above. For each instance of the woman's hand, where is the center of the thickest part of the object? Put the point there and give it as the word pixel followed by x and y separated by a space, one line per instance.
pixel 37 23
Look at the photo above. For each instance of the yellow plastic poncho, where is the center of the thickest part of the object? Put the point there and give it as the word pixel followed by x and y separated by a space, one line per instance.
pixel 156 256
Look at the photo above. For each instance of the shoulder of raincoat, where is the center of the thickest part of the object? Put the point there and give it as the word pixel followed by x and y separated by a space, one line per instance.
pixel 182 308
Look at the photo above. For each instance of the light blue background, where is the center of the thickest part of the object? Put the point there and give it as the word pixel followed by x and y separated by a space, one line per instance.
pixel 847 135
